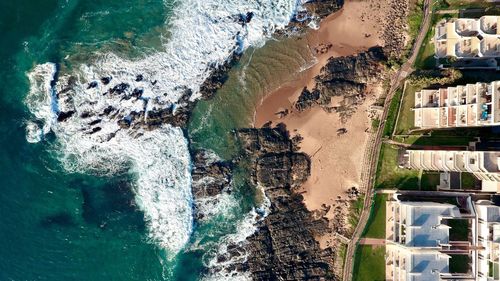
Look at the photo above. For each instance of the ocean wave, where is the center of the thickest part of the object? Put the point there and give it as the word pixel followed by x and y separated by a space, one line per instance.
pixel 226 260
pixel 230 251
pixel 204 35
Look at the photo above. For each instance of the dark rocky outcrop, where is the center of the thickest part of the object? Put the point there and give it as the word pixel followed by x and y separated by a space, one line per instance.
pixel 92 84
pixel 265 140
pixel 282 170
pixel 345 77
pixel 313 10
pixel 106 80
pixel 119 89
pixel 137 92
pixel 284 247
pixel 307 99
pixel 245 18
pixel 63 116
pixel 323 8
pixel 218 172
pixel 218 77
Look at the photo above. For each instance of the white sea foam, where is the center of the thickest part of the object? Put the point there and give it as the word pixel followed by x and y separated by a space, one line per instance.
pixel 40 100
pixel 204 34
pixel 221 270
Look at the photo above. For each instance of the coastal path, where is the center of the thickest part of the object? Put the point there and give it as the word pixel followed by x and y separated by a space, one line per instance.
pixel 370 165
pixel 372 241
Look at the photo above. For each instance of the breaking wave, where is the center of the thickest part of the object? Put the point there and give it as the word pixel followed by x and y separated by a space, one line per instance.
pixel 84 108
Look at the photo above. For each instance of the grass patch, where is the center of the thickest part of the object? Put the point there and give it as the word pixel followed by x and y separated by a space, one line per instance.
pixel 406 115
pixel 494 271
pixel 356 209
pixel 375 227
pixel 375 124
pixel 389 175
pixel 436 140
pixel 429 181
pixel 369 263
pixel 343 253
pixel 392 114
pixel 461 4
pixel 415 18
pixel 459 229
pixel 467 181
pixel 459 263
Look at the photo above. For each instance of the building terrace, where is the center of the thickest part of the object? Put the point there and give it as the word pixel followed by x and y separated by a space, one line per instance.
pixel 488 241
pixel 418 244
pixel 471 105
pixel 468 38
pixel 484 165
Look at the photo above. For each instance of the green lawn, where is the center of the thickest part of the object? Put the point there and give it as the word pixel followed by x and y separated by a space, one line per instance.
pixel 429 181
pixel 375 227
pixel 389 175
pixel 461 4
pixel 459 229
pixel 406 116
pixel 356 209
pixel 459 263
pixel 375 124
pixel 392 114
pixel 467 180
pixel 369 263
pixel 342 253
pixel 438 140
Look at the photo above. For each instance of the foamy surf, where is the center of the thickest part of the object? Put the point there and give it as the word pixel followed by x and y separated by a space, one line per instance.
pixel 221 268
pixel 204 35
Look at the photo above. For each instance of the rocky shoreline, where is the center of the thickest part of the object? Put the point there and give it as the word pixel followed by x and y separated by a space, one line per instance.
pixel 284 247
pixel 347 78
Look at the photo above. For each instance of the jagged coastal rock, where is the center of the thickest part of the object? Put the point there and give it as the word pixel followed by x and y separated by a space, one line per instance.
pixel 346 77
pixel 314 10
pixel 210 176
pixel 284 247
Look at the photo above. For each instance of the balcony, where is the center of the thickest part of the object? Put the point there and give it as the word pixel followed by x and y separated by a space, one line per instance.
pixel 467 48
pixel 489 24
pixel 466 27
pixel 490 47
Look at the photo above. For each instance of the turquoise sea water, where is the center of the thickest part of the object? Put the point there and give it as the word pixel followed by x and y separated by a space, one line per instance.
pixel 56 225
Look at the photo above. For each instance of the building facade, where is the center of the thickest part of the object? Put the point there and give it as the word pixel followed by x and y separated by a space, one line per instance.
pixel 472 105
pixel 418 244
pixel 468 38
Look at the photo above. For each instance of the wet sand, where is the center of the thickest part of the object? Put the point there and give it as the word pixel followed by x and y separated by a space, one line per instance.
pixel 336 159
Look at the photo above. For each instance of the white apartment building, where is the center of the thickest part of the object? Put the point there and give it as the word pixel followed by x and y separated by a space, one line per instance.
pixel 471 105
pixel 485 165
pixel 468 38
pixel 418 245
pixel 488 241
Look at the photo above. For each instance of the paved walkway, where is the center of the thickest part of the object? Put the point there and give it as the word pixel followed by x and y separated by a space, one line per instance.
pixel 372 241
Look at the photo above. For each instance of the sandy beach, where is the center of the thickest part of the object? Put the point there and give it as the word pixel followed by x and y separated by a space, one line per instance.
pixel 336 159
